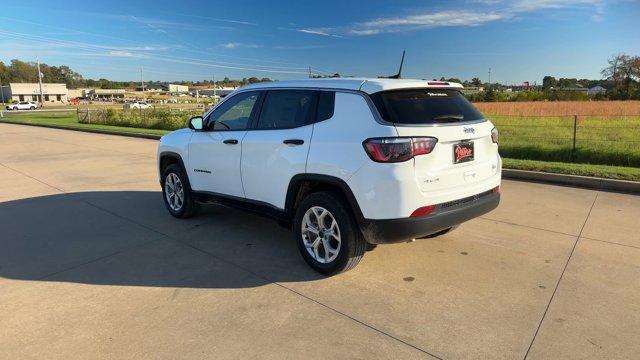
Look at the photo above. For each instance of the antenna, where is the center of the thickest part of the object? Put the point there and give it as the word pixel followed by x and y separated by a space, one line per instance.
pixel 399 74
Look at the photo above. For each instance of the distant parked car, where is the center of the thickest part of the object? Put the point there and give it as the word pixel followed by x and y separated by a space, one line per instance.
pixel 23 105
pixel 137 105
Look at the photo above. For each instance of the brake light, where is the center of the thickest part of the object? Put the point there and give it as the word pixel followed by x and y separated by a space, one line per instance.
pixel 390 150
pixel 437 83
pixel 423 211
pixel 494 135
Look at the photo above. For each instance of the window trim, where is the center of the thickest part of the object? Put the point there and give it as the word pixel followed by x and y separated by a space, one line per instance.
pixel 365 96
pixel 314 111
pixel 256 107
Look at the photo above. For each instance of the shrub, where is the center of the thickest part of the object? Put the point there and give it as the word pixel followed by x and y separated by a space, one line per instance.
pixel 160 119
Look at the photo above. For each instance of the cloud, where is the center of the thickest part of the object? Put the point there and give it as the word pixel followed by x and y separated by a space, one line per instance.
pixel 121 53
pixel 319 31
pixel 430 20
pixel 485 11
pixel 236 45
pixel 299 47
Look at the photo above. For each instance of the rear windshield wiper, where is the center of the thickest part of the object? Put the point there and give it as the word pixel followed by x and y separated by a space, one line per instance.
pixel 448 118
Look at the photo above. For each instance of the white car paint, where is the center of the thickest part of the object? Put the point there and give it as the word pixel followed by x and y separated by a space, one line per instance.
pixel 268 164
pixel 261 166
pixel 137 105
pixel 213 165
pixel 23 105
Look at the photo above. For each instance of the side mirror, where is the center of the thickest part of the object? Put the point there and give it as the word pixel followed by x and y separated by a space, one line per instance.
pixel 196 123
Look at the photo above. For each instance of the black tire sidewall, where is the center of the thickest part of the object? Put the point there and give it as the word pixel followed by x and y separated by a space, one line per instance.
pixel 348 231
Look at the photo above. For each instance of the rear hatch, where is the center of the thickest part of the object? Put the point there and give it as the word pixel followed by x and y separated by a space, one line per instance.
pixel 464 154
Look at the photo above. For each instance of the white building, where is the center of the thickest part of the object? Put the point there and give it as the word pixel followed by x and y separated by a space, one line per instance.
pixel 596 90
pixel 51 93
pixel 175 88
pixel 219 91
pixel 106 94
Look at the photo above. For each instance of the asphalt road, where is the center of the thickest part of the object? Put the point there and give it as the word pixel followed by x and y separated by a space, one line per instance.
pixel 92 266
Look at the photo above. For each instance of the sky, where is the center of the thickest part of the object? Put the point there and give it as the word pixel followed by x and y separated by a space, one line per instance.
pixel 520 40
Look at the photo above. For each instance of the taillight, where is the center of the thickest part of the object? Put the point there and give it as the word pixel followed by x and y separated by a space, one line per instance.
pixel 494 135
pixel 396 149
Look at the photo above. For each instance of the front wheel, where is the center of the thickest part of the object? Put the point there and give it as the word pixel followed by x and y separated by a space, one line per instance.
pixel 327 235
pixel 32 108
pixel 177 193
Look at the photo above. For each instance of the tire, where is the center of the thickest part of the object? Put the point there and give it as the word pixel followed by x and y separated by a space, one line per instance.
pixel 349 246
pixel 32 108
pixel 15 108
pixel 180 208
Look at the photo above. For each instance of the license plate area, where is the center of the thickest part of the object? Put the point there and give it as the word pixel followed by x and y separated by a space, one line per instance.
pixel 463 152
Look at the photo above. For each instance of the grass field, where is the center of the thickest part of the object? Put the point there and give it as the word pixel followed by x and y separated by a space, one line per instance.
pixel 70 119
pixel 606 132
pixel 612 141
pixel 603 171
pixel 601 109
pixel 606 146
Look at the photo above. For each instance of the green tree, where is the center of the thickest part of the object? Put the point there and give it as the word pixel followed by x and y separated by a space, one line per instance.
pixel 549 82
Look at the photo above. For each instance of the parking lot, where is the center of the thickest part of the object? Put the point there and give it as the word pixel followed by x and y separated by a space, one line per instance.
pixel 92 266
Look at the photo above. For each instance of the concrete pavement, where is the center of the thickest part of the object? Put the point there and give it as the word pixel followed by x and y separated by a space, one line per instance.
pixel 92 266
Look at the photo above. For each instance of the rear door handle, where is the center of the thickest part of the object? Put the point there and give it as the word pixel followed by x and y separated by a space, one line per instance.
pixel 230 141
pixel 293 142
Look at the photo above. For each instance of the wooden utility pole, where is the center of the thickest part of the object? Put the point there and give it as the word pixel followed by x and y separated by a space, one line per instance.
pixel 40 81
pixel 142 79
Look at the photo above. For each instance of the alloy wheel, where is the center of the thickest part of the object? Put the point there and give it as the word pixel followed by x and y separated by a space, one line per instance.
pixel 174 192
pixel 321 234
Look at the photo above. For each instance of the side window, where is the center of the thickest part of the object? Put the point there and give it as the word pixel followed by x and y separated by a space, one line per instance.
pixel 235 113
pixel 326 104
pixel 287 109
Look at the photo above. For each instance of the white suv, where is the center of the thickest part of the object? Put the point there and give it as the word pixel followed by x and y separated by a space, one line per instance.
pixel 136 105
pixel 22 105
pixel 346 163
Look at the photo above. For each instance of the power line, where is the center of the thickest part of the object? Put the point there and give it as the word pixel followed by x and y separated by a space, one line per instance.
pixel 186 60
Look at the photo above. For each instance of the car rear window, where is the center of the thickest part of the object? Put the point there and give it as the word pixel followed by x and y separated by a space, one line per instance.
pixel 424 106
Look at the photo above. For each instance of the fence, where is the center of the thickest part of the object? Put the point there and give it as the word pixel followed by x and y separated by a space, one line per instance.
pixel 610 140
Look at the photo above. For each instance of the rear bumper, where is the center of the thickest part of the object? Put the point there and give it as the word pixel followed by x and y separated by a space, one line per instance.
pixel 444 216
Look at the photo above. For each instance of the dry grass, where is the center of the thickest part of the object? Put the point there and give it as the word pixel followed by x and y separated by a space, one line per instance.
pixel 602 109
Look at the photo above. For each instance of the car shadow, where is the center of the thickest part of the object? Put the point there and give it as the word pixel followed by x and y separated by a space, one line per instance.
pixel 128 238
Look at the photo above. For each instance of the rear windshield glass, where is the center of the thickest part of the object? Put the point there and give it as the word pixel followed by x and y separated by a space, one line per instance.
pixel 424 106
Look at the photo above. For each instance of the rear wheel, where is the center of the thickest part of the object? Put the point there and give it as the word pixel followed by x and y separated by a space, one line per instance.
pixel 32 108
pixel 177 193
pixel 327 235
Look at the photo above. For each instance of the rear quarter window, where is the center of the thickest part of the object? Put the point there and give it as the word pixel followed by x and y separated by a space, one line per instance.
pixel 424 106
pixel 326 105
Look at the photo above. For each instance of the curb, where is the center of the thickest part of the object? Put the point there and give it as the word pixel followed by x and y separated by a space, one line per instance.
pixel 586 182
pixel 573 180
pixel 95 131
